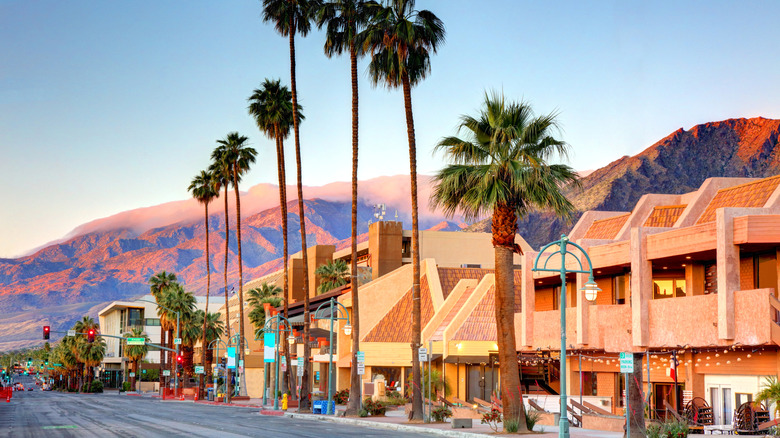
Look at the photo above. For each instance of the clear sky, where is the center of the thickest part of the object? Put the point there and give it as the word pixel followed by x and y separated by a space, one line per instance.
pixel 107 106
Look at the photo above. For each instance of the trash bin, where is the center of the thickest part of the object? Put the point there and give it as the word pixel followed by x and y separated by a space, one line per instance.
pixel 210 394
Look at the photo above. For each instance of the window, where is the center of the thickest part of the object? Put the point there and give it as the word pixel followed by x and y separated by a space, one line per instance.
pixel 619 289
pixel 668 288
pixel 134 317
pixel 154 322
pixel 765 271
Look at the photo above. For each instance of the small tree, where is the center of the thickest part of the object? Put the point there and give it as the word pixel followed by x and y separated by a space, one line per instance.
pixel 770 393
pixel 332 275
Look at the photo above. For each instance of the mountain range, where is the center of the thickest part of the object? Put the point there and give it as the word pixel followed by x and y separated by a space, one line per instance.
pixel 112 258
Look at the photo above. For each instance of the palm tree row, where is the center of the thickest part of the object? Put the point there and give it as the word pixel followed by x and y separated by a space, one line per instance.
pixel 76 357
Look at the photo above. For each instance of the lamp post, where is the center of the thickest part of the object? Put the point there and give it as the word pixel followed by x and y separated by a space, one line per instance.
pixel 214 376
pixel 178 315
pixel 591 290
pixel 280 320
pixel 242 343
pixel 340 314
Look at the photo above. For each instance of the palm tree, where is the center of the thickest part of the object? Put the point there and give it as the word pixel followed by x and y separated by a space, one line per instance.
pixel 332 275
pixel 84 325
pixel 344 19
pixel 91 354
pixel 134 353
pixel 266 293
pixel 204 190
pixel 177 300
pixel 214 329
pixel 271 107
pixel 237 156
pixel 158 284
pixel 501 167
pixel 290 17
pixel 770 393
pixel 401 40
pixel 191 333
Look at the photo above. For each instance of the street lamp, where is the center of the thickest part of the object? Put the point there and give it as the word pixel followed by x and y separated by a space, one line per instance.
pixel 340 314
pixel 178 315
pixel 267 328
pixel 590 289
pixel 215 375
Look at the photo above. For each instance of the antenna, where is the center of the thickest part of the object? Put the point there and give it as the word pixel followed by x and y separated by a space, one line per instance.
pixel 379 211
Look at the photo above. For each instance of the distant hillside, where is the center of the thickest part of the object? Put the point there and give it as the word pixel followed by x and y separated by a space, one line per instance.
pixel 676 164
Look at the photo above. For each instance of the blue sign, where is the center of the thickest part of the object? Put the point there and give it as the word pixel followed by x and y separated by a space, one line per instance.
pixel 317 376
pixel 231 358
pixel 269 347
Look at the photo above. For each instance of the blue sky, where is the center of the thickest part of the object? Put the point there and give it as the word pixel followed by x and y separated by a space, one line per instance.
pixel 107 106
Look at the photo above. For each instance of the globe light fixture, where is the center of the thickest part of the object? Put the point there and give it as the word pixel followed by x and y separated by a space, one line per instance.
pixel 291 340
pixel 591 289
pixel 347 329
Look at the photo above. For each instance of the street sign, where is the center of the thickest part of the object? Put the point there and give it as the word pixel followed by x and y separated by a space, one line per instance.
pixel 423 354
pixel 71 332
pixel 132 374
pixel 136 341
pixel 166 373
pixel 143 371
pixel 299 368
pixel 176 341
pixel 626 363
pixel 269 347
pixel 231 357
pixel 198 369
pixel 361 368
pixel 361 356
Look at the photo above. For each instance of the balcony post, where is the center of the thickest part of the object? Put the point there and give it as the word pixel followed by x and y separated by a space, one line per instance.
pixel 527 299
pixel 583 305
pixel 727 260
pixel 641 287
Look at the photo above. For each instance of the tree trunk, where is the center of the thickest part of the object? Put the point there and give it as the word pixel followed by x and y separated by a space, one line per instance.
pixel 304 402
pixel 353 406
pixel 635 400
pixel 417 412
pixel 135 371
pixel 241 338
pixel 282 174
pixel 504 225
pixel 163 356
pixel 203 344
pixel 227 299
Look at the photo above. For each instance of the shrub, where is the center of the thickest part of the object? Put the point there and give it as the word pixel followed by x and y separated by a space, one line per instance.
pixel 511 426
pixel 363 413
pixel 341 397
pixel 492 419
pixel 531 418
pixel 125 386
pixel 85 387
pixel 97 386
pixel 668 429
pixel 374 407
pixel 440 414
pixel 394 398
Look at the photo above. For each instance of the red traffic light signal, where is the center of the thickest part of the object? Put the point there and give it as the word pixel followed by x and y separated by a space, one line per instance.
pixel 91 335
pixel 180 359
pixel 46 331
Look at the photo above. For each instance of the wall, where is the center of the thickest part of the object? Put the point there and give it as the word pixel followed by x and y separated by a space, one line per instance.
pixel 454 249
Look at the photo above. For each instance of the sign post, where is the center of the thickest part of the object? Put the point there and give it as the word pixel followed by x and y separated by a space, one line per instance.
pixel 627 367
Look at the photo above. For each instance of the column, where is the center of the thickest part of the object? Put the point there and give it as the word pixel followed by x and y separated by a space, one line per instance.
pixel 528 299
pixel 641 288
pixel 727 259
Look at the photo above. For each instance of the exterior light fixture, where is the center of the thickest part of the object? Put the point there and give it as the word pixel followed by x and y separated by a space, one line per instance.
pixel 291 340
pixel 591 289
pixel 347 329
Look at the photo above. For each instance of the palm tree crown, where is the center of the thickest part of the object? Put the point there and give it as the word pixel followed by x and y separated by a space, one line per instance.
pixel 271 107
pixel 343 21
pixel 290 16
pixel 401 40
pixel 332 275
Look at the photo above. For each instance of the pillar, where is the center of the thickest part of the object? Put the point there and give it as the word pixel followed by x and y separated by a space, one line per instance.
pixel 528 299
pixel 641 288
pixel 727 259
pixel 583 305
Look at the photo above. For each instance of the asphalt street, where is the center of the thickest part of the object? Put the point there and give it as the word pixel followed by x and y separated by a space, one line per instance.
pixel 53 414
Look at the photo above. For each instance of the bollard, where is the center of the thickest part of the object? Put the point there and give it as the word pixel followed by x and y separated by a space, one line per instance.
pixel 284 402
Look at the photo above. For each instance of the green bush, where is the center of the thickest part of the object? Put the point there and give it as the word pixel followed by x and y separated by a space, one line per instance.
pixel 440 414
pixel 363 413
pixel 341 397
pixel 374 407
pixel 668 429
pixel 85 387
pixel 511 426
pixel 125 386
pixel 97 386
pixel 394 398
pixel 531 418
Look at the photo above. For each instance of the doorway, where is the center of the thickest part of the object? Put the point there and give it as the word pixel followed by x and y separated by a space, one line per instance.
pixel 481 382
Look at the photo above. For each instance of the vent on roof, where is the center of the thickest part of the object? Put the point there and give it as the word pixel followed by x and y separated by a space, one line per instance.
pixel 471 265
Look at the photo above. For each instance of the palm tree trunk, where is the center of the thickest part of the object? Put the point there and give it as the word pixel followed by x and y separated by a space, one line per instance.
pixel 304 403
pixel 241 339
pixel 135 370
pixel 416 413
pixel 163 355
pixel 227 300
pixel 282 174
pixel 353 406
pixel 504 226
pixel 203 345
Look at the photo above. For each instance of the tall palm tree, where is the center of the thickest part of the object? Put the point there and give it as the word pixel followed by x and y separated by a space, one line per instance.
pixel 158 284
pixel 501 167
pixel 289 18
pixel 266 293
pixel 344 19
pixel 332 275
pixel 271 107
pixel 180 302
pixel 191 332
pixel 84 325
pixel 400 40
pixel 91 354
pixel 134 353
pixel 238 157
pixel 204 190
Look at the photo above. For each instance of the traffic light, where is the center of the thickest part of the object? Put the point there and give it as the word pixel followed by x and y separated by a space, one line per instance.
pixel 180 359
pixel 91 335
pixel 46 331
pixel 223 361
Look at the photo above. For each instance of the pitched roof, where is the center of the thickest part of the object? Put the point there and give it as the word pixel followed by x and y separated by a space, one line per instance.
pixel 396 326
pixel 606 228
pixel 480 325
pixel 665 215
pixel 449 277
pixel 438 335
pixel 752 194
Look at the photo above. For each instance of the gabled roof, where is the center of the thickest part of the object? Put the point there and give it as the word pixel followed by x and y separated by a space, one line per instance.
pixel 396 325
pixel 752 194
pixel 606 228
pixel 449 277
pixel 664 216
pixel 480 325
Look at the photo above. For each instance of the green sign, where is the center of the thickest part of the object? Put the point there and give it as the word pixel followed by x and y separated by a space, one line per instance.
pixel 132 374
pixel 136 341
pixel 199 369
pixel 166 373
pixel 626 363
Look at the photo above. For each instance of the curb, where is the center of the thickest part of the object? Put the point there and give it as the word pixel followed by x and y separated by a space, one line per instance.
pixel 386 426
